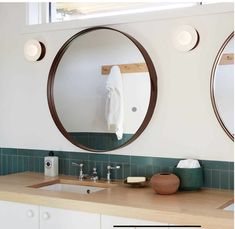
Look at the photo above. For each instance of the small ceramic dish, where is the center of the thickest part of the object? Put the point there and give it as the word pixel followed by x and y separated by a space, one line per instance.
pixel 137 184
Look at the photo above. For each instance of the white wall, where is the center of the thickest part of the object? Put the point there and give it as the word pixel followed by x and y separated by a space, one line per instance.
pixel 183 125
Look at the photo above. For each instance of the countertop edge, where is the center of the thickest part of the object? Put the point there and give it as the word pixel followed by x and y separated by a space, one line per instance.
pixel 206 222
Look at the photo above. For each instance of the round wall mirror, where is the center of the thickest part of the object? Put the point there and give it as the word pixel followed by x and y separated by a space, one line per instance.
pixel 222 86
pixel 96 79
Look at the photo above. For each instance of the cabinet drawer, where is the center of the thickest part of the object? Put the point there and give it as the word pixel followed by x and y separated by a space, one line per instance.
pixel 15 215
pixel 65 219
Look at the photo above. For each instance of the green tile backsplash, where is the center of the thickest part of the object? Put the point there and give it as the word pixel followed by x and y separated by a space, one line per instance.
pixel 100 141
pixel 217 174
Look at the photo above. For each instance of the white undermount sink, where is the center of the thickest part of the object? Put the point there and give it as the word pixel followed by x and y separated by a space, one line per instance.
pixel 80 189
pixel 71 185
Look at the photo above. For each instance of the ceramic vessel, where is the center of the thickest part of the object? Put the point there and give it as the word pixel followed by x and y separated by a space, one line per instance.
pixel 191 179
pixel 165 183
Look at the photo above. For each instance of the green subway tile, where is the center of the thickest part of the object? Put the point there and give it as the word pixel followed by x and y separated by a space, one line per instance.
pixel 61 154
pixel 91 165
pixel 67 167
pixel 165 163
pixel 149 170
pixel 141 170
pixel 120 158
pixel 6 151
pixel 118 173
pixel 105 170
pixel 1 164
pixel 41 164
pixel 207 178
pixel 165 168
pixel 24 152
pixel 231 166
pixel 31 164
pixel 126 170
pixel 219 165
pixel 215 181
pixel 216 173
pixel 10 167
pixel 5 164
pixel 61 166
pixel 140 160
pixel 99 157
pixel 20 164
pixel 156 170
pixel 99 167
pixel 14 164
pixel 39 153
pixel 36 165
pixel 134 171
pixel 224 180
pixel 26 163
pixel 86 167
pixel 78 156
pixel 231 180
pixel 74 170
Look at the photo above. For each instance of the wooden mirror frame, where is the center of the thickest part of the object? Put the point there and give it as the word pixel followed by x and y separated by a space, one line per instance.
pixel 212 86
pixel 52 75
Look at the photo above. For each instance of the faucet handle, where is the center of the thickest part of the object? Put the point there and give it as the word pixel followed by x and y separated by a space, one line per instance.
pixel 77 165
pixel 94 170
pixel 94 176
pixel 113 167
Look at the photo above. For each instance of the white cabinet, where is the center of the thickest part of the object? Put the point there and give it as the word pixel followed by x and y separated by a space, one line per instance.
pixel 24 216
pixel 18 216
pixel 65 219
pixel 107 222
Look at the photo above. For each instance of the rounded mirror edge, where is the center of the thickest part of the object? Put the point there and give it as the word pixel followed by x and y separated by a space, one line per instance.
pixel 51 78
pixel 212 86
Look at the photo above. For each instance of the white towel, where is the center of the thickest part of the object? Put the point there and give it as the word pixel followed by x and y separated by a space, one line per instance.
pixel 114 102
pixel 188 163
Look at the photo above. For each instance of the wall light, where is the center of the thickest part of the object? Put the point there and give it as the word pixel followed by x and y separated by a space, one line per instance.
pixel 34 50
pixel 185 38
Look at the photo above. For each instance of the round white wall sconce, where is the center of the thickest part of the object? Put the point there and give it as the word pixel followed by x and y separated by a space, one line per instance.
pixel 34 50
pixel 185 38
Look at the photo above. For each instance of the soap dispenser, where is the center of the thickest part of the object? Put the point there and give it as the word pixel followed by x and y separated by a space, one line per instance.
pixel 51 167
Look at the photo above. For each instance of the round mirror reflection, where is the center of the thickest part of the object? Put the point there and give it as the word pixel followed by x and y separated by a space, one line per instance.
pixel 222 86
pixel 96 79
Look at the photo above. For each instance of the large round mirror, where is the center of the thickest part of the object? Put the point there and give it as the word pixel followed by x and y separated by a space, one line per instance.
pixel 102 89
pixel 222 86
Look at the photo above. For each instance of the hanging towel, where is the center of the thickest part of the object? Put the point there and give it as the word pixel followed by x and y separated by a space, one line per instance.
pixel 114 102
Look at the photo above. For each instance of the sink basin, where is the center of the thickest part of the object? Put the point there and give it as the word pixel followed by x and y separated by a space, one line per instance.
pixel 72 185
pixel 80 189
pixel 229 207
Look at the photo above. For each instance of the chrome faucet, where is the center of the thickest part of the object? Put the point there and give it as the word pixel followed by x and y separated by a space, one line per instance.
pixel 94 176
pixel 109 168
pixel 81 175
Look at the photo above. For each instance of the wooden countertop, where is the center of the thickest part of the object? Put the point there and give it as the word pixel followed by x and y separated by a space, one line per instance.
pixel 196 208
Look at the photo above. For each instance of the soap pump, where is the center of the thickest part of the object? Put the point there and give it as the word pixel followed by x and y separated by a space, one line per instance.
pixel 51 167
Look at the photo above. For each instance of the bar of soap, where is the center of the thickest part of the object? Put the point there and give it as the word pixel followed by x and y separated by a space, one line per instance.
pixel 136 179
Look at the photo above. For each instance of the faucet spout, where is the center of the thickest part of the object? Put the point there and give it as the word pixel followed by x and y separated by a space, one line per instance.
pixel 81 174
pixel 109 168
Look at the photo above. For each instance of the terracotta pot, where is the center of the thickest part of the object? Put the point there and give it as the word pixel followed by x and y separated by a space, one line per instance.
pixel 165 183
